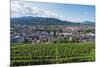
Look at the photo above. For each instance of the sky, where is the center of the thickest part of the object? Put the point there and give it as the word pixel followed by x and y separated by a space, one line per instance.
pixel 67 12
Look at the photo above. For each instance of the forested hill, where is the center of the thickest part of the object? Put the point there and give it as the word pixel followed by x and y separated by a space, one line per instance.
pixel 42 21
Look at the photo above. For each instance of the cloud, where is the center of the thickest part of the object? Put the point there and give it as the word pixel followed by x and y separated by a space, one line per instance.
pixel 22 8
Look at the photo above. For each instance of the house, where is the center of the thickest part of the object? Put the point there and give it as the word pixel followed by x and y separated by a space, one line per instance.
pixel 17 39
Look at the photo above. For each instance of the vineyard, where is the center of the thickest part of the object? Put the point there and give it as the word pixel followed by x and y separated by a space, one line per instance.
pixel 51 53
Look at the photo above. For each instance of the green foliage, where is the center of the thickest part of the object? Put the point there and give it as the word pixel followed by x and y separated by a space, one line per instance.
pixel 51 53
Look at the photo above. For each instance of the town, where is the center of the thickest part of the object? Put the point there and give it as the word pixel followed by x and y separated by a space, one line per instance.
pixel 51 33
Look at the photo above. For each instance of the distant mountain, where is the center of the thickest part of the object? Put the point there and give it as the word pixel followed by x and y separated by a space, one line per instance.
pixel 29 20
pixel 88 22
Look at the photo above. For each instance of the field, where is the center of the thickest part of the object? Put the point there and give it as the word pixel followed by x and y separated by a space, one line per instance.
pixel 51 53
